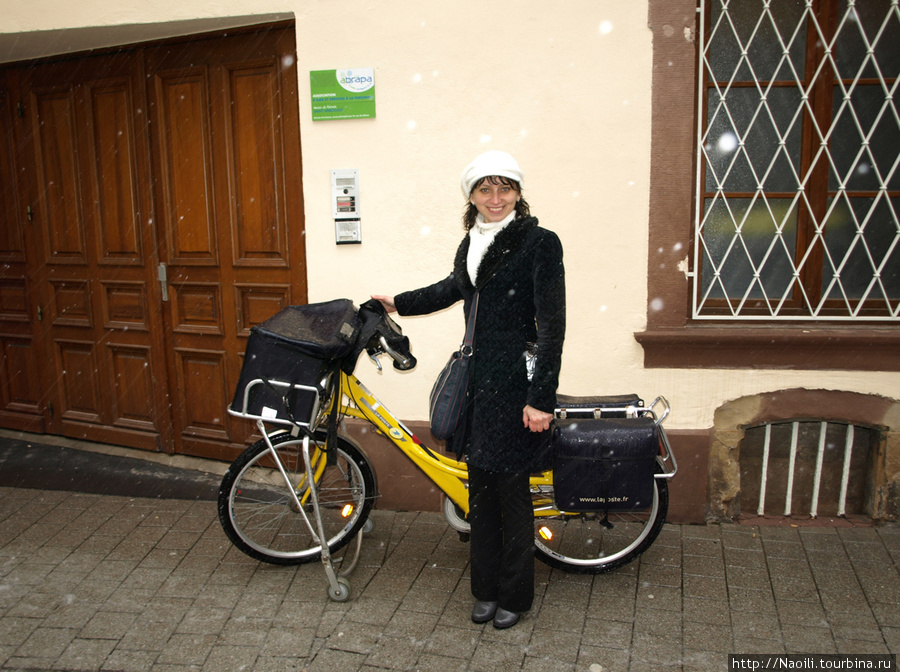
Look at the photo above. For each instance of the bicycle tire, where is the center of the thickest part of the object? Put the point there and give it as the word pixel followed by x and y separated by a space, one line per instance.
pixel 583 544
pixel 259 513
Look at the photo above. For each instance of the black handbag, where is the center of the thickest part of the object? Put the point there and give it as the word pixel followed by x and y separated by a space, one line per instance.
pixel 447 403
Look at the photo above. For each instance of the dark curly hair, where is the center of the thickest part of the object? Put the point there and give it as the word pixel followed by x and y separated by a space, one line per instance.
pixel 471 212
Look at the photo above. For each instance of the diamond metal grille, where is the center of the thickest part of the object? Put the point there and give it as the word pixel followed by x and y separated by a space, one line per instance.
pixel 798 178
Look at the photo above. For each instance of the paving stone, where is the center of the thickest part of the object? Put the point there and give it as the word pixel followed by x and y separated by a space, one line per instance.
pixel 783 567
pixel 455 642
pixel 705 637
pixel 498 656
pixel 758 645
pixel 606 659
pixel 605 633
pixel 704 565
pixel 85 654
pixel 749 599
pixel 801 589
pixel 395 654
pixel 706 587
pixel 129 661
pixel 856 647
pixel 858 626
pixel 754 625
pixel 801 613
pixel 655 650
pixel 806 639
pixel 561 645
pixel 659 597
pixel 411 624
pixel 708 547
pixel 187 649
pixel 437 663
pixel 704 661
pixel 46 643
pixel 662 575
pixel 702 610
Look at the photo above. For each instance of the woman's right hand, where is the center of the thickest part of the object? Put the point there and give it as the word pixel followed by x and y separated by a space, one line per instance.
pixel 386 301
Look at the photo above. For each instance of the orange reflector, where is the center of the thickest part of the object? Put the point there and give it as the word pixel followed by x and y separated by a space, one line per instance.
pixel 347 510
pixel 545 533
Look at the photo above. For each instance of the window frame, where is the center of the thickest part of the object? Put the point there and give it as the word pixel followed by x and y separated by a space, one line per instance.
pixel 672 338
pixel 802 297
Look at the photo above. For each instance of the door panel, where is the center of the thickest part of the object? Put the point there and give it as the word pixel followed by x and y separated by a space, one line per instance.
pixel 91 171
pixel 184 163
pixel 112 175
pixel 79 382
pixel 257 222
pixel 230 212
pixel 130 368
pixel 20 373
pixel 59 197
pixel 202 381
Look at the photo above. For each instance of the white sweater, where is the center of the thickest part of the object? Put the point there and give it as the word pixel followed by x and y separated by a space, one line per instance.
pixel 480 238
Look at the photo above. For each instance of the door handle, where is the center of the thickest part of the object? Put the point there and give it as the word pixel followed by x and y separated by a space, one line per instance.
pixel 162 274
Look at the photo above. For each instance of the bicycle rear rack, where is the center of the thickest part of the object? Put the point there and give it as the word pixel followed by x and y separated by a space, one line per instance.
pixel 626 406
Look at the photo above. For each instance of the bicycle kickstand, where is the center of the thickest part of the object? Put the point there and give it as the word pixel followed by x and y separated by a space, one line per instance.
pixel 338 586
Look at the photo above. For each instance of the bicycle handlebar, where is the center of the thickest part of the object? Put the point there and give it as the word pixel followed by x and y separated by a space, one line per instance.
pixel 401 361
pixel 380 334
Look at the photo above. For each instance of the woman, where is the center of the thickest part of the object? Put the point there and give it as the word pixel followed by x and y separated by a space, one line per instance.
pixel 517 268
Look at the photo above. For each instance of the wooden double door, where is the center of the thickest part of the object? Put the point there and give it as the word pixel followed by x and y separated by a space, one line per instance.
pixel 150 214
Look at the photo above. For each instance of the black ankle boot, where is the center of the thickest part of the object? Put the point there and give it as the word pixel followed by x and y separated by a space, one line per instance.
pixel 505 619
pixel 483 611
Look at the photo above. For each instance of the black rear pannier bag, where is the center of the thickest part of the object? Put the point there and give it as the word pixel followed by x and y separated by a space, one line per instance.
pixel 289 358
pixel 604 464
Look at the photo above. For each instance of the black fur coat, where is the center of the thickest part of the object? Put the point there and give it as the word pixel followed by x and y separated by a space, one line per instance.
pixel 521 281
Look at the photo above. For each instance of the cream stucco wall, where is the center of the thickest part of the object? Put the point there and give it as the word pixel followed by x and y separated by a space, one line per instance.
pixel 566 90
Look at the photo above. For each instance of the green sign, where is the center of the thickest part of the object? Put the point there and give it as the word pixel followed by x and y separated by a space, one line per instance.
pixel 343 94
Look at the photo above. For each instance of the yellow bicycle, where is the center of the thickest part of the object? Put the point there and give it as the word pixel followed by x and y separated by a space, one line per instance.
pixel 294 488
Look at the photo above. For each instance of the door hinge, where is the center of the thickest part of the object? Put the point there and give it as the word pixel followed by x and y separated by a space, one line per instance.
pixel 162 274
pixel 29 213
pixel 20 109
pixel 40 314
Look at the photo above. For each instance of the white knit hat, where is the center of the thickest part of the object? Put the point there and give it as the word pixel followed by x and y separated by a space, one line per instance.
pixel 490 163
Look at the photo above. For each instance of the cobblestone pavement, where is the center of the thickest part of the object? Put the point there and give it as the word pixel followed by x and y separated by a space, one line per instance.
pixel 100 582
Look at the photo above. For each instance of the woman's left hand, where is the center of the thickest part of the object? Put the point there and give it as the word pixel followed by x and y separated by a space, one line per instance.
pixel 535 420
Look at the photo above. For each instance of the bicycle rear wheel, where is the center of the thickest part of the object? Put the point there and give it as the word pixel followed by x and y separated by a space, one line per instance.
pixel 259 512
pixel 592 543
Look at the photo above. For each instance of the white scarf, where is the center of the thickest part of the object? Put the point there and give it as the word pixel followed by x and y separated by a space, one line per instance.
pixel 480 238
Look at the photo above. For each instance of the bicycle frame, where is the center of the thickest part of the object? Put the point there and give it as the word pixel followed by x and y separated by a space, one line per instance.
pixel 448 474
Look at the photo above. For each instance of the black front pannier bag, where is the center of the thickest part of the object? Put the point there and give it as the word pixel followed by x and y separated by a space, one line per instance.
pixel 604 464
pixel 289 358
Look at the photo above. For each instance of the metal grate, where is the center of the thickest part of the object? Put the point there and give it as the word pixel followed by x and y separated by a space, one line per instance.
pixel 806 468
pixel 798 181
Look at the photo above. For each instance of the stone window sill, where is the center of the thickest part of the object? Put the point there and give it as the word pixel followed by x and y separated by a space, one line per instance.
pixel 751 347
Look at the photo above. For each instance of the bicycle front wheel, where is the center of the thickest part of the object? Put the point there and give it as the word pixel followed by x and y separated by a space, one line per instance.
pixel 262 508
pixel 593 543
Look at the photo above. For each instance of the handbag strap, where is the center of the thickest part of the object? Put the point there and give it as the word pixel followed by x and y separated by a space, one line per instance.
pixel 470 326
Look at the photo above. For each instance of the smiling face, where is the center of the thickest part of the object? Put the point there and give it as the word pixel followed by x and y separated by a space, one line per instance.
pixel 495 198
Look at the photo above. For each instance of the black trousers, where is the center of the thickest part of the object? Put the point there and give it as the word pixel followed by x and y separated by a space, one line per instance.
pixel 501 539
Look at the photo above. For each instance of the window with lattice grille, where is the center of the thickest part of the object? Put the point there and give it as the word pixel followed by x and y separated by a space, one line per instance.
pixel 798 161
